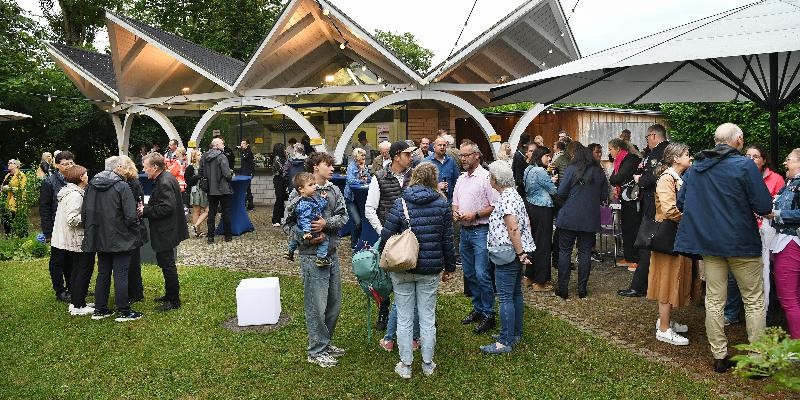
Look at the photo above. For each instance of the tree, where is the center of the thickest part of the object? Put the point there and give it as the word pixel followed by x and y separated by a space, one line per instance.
pixel 231 27
pixel 76 22
pixel 405 47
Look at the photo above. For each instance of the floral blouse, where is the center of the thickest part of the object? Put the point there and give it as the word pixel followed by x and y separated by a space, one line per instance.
pixel 509 203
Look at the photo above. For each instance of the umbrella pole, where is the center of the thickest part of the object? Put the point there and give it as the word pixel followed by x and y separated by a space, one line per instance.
pixel 774 104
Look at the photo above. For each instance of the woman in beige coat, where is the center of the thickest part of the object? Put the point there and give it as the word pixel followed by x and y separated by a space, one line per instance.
pixel 670 278
pixel 68 236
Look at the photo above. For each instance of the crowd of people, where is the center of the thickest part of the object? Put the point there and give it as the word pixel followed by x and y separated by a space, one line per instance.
pixel 507 224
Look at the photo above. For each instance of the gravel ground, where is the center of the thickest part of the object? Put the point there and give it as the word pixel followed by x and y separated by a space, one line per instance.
pixel 627 322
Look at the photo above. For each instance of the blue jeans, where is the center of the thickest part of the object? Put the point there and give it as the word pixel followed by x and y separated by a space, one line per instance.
pixel 410 291
pixel 508 278
pixel 355 217
pixel 391 324
pixel 322 299
pixel 734 303
pixel 475 261
pixel 297 236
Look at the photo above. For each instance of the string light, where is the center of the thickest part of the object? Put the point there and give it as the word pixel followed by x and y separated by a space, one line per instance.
pixel 343 45
pixel 363 68
pixel 49 98
pixel 326 12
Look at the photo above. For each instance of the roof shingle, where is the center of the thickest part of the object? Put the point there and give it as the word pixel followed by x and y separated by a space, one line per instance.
pixel 98 65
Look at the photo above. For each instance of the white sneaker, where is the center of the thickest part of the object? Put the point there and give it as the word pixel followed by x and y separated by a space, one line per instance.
pixel 277 225
pixel 428 368
pixel 669 336
pixel 323 359
pixel 679 328
pixel 403 370
pixel 80 311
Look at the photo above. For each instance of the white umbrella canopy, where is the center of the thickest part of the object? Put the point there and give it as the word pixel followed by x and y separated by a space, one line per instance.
pixel 8 115
pixel 750 53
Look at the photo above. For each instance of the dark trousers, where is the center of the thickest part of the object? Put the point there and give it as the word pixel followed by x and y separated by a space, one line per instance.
pixel 631 218
pixel 60 269
pixel 81 276
pixel 7 218
pixel 542 228
pixel 166 260
pixel 214 203
pixel 566 240
pixel 639 280
pixel 249 196
pixel 116 263
pixel 135 286
pixel 280 199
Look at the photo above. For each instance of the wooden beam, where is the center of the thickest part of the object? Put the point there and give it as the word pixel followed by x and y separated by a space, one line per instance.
pixel 164 77
pixel 548 37
pixel 322 23
pixel 134 52
pixel 495 58
pixel 523 51
pixel 292 31
pixel 481 73
pixel 323 60
pixel 460 79
pixel 288 63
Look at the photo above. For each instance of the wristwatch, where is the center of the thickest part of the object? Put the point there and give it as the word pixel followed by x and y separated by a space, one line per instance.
pixel 477 215
pixel 520 254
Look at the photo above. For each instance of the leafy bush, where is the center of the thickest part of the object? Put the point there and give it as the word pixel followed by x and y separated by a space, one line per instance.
pixel 20 249
pixel 20 225
pixel 775 355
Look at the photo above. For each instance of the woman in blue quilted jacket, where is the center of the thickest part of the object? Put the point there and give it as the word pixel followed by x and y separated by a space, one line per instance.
pixel 431 221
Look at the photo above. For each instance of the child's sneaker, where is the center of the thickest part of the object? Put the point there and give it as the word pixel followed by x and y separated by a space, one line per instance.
pixel 290 255
pixel 322 262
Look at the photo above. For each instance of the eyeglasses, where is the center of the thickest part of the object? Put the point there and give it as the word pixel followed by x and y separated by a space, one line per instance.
pixel 466 155
pixel 752 157
pixel 792 158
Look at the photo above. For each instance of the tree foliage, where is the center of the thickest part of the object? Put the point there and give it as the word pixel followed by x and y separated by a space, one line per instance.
pixel 405 46
pixel 76 22
pixel 231 27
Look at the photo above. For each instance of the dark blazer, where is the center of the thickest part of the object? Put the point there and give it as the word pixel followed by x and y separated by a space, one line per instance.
pixel 647 182
pixel 627 168
pixel 165 212
pixel 581 211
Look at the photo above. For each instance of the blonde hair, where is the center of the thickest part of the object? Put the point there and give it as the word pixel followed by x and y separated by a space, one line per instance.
pixel 45 155
pixel 128 168
pixel 358 151
pixel 180 151
pixel 503 153
pixel 195 158
pixel 425 174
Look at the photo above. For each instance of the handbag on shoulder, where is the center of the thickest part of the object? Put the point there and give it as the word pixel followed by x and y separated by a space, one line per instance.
pixel 402 250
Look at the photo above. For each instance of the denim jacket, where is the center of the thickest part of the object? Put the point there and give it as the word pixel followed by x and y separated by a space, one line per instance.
pixel 787 219
pixel 538 187
pixel 358 178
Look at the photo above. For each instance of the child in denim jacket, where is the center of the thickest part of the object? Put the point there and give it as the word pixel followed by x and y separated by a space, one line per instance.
pixel 308 209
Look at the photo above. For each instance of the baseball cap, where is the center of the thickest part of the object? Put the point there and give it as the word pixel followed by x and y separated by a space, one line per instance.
pixel 400 146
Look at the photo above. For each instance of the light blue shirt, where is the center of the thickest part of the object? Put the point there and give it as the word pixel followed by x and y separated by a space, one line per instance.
pixel 538 186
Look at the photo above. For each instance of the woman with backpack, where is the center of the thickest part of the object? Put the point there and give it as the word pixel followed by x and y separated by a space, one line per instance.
pixel 431 221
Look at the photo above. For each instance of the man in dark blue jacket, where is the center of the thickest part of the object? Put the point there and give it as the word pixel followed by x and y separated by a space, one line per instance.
pixel 720 196
pixel 60 264
pixel 448 169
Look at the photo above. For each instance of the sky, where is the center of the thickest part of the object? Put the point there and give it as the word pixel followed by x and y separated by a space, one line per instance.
pixel 596 24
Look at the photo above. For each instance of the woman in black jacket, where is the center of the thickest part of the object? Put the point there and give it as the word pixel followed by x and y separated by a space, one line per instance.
pixel 431 221
pixel 626 163
pixel 278 182
pixel 135 287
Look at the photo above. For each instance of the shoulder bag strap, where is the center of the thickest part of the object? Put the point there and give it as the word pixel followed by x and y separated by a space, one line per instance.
pixel 405 212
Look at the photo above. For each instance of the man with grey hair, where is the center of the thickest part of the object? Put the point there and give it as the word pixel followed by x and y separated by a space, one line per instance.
pixel 720 197
pixel 214 167
pixel 111 229
pixel 473 202
pixel 383 159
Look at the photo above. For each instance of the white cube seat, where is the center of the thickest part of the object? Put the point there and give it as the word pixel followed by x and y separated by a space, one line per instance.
pixel 258 301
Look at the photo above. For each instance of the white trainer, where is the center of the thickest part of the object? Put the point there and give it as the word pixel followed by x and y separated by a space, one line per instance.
pixel 88 310
pixel 680 328
pixel 669 336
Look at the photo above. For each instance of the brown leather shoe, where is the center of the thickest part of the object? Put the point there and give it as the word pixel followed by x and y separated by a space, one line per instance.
pixel 542 287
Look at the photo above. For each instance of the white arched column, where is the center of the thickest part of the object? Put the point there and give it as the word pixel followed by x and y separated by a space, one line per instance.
pixel 362 116
pixel 523 123
pixel 289 112
pixel 123 129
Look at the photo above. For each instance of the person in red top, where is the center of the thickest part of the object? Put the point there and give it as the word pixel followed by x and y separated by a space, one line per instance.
pixel 774 182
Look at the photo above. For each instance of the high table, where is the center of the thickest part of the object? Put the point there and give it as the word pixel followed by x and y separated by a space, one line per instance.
pixel 368 234
pixel 147 184
pixel 240 221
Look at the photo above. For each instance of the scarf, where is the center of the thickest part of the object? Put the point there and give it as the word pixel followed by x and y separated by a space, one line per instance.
pixel 618 159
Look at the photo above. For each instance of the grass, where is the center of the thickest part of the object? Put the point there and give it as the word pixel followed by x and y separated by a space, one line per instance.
pixel 186 354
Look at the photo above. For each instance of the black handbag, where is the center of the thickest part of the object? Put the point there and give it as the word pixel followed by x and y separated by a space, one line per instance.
pixel 664 237
pixel 644 238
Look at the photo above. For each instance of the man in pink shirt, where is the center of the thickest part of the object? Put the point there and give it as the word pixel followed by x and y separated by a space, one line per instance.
pixel 473 202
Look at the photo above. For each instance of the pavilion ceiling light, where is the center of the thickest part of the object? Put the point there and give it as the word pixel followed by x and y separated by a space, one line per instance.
pixel 113 104
pixel 329 78
pixel 49 98
pixel 326 12
pixel 186 90
pixel 380 79
pixel 550 51
pixel 343 45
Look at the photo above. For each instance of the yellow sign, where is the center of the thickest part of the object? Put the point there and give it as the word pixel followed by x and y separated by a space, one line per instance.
pixel 495 138
pixel 316 141
pixel 259 140
pixel 192 144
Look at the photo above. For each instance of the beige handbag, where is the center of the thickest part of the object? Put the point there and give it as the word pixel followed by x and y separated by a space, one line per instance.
pixel 401 251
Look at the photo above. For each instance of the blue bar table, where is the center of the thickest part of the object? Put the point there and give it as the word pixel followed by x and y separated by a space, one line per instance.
pixel 240 221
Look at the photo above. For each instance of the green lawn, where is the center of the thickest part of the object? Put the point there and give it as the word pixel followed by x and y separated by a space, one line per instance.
pixel 45 353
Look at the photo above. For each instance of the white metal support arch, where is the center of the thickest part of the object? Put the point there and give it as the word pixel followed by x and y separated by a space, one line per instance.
pixel 362 116
pixel 123 129
pixel 289 112
pixel 523 123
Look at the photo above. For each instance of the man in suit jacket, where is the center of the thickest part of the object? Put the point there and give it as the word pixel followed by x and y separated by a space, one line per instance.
pixel 167 225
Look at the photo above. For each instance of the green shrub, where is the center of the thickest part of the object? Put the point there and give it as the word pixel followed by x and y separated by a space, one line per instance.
pixel 775 355
pixel 20 249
